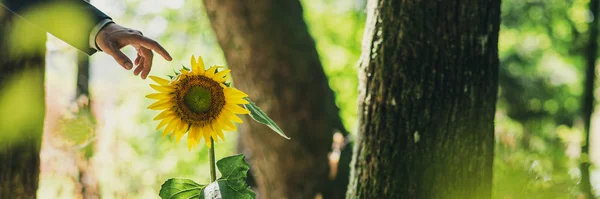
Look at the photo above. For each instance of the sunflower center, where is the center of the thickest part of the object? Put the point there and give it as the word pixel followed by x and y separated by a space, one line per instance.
pixel 198 99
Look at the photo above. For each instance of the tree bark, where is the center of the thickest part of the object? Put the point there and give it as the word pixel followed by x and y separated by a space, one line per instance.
pixel 427 96
pixel 21 82
pixel 273 58
pixel 588 99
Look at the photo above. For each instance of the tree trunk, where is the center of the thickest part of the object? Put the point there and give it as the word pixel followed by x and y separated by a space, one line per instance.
pixel 588 99
pixel 21 106
pixel 273 58
pixel 87 180
pixel 427 97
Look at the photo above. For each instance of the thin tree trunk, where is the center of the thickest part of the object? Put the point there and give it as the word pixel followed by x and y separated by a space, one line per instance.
pixel 588 99
pixel 274 59
pixel 88 182
pixel 427 97
pixel 22 84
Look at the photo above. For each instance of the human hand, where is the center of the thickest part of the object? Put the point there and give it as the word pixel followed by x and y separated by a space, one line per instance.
pixel 113 37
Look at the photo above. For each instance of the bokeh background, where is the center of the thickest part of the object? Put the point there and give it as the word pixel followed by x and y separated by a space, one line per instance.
pixel 539 125
pixel 130 159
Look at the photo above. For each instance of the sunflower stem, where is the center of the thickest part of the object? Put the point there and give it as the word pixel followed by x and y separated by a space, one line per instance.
pixel 211 157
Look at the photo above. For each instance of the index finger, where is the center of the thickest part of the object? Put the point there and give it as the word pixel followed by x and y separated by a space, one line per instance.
pixel 153 45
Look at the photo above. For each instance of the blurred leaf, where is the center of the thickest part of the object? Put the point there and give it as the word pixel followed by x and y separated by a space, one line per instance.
pixel 260 116
pixel 22 111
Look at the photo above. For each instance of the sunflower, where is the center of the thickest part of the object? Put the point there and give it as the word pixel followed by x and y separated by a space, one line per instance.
pixel 197 102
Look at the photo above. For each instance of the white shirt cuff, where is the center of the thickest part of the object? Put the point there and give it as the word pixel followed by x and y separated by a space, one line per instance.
pixel 95 31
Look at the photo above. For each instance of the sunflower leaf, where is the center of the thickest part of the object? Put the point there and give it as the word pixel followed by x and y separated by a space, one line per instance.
pixel 228 84
pixel 232 184
pixel 186 68
pixel 178 188
pixel 260 116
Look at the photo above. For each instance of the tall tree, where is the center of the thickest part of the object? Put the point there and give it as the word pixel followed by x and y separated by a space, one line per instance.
pixel 274 59
pixel 21 105
pixel 427 96
pixel 588 97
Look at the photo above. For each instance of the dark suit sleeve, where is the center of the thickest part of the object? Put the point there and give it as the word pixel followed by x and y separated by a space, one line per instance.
pixel 56 17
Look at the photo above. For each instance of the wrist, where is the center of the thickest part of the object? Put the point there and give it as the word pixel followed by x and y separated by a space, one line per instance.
pixel 96 34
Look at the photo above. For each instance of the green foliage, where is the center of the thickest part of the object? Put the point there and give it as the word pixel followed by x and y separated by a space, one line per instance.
pixel 337 28
pixel 231 185
pixel 538 135
pixel 260 116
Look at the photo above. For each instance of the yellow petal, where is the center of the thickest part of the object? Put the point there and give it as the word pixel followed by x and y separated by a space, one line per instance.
pixel 233 92
pixel 158 96
pixel 161 105
pixel 162 89
pixel 217 129
pixel 236 100
pixel 180 131
pixel 172 126
pixel 230 116
pixel 183 71
pixel 161 81
pixel 159 102
pixel 163 114
pixel 199 69
pixel 218 76
pixel 213 135
pixel 164 122
pixel 206 134
pixel 235 118
pixel 223 79
pixel 190 144
pixel 193 133
pixel 236 109
pixel 219 121
pixel 210 72
pixel 228 124
pixel 193 63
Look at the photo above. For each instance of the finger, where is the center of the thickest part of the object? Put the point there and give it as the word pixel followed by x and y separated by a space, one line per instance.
pixel 137 60
pixel 148 56
pixel 121 58
pixel 140 67
pixel 153 45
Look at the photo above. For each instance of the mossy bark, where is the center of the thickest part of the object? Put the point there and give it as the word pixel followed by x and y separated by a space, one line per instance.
pixel 427 96
pixel 273 58
pixel 20 139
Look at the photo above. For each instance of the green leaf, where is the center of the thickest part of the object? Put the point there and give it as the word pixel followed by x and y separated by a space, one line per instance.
pixel 177 188
pixel 232 183
pixel 260 116
pixel 186 68
pixel 228 84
